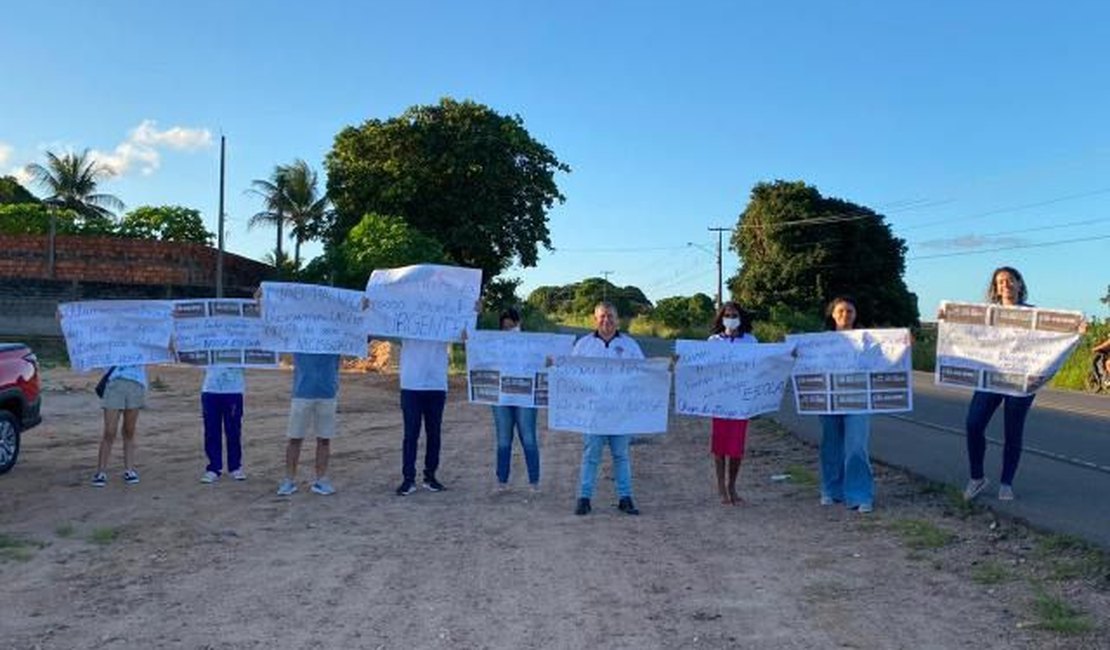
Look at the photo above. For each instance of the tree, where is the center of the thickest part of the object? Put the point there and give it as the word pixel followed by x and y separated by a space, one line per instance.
pixel 799 249
pixel 580 298
pixel 377 242
pixel 1106 299
pixel 166 223
pixel 273 213
pixel 307 212
pixel 11 192
pixel 685 312
pixel 456 171
pixel 71 180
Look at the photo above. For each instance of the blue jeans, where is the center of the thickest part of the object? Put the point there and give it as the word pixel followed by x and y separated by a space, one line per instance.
pixel 524 418
pixel 979 413
pixel 223 416
pixel 417 405
pixel 591 457
pixel 845 461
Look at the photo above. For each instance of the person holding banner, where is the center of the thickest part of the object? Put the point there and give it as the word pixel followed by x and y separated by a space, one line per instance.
pixel 424 367
pixel 846 475
pixel 313 406
pixel 523 418
pixel 728 437
pixel 606 341
pixel 124 395
pixel 1006 288
pixel 221 401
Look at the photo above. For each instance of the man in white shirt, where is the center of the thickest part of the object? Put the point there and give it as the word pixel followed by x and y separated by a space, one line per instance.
pixel 606 342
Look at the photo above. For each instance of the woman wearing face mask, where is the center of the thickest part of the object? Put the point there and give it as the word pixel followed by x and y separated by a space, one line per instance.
pixel 731 325
pixel 845 460
pixel 523 418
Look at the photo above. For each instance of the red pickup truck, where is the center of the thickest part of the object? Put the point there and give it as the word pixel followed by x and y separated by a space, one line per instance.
pixel 20 398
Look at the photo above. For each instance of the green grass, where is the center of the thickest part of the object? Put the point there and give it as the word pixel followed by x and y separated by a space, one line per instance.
pixel 918 534
pixel 1068 558
pixel 104 536
pixel 17 548
pixel 990 573
pixel 802 475
pixel 65 530
pixel 158 384
pixel 1073 374
pixel 925 348
pixel 1057 615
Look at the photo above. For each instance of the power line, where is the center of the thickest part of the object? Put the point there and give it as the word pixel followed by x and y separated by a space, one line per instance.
pixel 1059 242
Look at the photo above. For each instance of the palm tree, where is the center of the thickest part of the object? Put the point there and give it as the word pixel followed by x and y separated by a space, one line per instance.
pixel 71 180
pixel 291 196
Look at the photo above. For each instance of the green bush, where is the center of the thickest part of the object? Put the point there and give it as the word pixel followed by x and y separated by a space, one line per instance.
pixel 1073 374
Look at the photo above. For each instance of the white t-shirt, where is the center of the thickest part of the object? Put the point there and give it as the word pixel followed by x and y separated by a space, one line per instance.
pixel 224 379
pixel 747 337
pixel 621 346
pixel 424 364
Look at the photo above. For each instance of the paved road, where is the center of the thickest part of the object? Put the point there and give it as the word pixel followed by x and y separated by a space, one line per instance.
pixel 1063 483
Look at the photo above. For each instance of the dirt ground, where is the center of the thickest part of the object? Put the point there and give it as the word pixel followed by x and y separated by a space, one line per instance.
pixel 171 563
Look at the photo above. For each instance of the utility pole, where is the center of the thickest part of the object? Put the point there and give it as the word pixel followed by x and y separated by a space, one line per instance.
pixel 605 285
pixel 720 277
pixel 220 228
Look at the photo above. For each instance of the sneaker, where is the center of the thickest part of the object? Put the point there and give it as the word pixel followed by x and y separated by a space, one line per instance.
pixel 131 477
pixel 323 487
pixel 432 485
pixel 100 479
pixel 239 475
pixel 209 477
pixel 827 500
pixel 627 507
pixel 406 488
pixel 974 487
pixel 583 507
pixel 286 488
pixel 1005 492
pixel 865 508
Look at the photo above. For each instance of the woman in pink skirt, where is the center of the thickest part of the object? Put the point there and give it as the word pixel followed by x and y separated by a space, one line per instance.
pixel 732 325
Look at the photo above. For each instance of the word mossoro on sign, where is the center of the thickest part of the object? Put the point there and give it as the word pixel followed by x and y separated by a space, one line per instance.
pixel 509 368
pixel 1008 350
pixel 431 302
pixel 221 332
pixel 736 381
pixel 105 333
pixel 853 371
pixel 313 319
pixel 609 396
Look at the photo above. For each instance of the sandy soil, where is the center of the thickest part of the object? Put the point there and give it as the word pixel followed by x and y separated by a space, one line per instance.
pixel 171 563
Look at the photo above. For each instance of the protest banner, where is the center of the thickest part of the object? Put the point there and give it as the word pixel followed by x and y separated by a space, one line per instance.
pixel 853 371
pixel 713 379
pixel 105 333
pixel 425 301
pixel 509 368
pixel 221 332
pixel 610 396
pixel 998 349
pixel 313 319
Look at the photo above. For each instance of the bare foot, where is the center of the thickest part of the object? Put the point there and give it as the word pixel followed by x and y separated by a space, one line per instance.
pixel 736 499
pixel 726 498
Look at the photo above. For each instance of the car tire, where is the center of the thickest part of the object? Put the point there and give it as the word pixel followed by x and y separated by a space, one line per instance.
pixel 9 441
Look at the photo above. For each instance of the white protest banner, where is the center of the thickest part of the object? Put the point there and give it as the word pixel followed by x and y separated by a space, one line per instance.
pixel 425 301
pixel 509 368
pixel 1008 350
pixel 610 396
pixel 105 333
pixel 853 371
pixel 313 319
pixel 736 382
pixel 221 332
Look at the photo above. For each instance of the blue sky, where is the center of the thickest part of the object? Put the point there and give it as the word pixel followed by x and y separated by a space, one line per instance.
pixel 971 126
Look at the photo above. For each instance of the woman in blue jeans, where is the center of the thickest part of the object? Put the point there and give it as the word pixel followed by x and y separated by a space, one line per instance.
pixel 523 418
pixel 845 461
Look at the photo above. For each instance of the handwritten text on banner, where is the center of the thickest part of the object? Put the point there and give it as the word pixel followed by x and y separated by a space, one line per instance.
pixel 510 367
pixel 313 319
pixel 853 371
pixel 220 332
pixel 730 381
pixel 609 396
pixel 426 301
pixel 105 333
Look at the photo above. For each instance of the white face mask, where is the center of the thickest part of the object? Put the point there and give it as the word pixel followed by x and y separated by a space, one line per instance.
pixel 731 324
pixel 515 328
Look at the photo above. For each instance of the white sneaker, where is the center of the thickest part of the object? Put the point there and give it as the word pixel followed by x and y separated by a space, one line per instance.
pixel 323 487
pixel 209 477
pixel 1005 492
pixel 827 500
pixel 974 487
pixel 286 488
pixel 865 508
pixel 239 475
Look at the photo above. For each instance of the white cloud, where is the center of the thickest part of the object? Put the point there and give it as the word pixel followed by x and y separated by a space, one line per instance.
pixel 22 176
pixel 142 147
pixel 5 153
pixel 972 242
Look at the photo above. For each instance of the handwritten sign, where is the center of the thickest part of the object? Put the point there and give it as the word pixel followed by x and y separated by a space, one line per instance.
pixel 313 319
pixel 1008 350
pixel 510 367
pixel 730 381
pixel 426 301
pixel 105 333
pixel 221 332
pixel 854 371
pixel 610 396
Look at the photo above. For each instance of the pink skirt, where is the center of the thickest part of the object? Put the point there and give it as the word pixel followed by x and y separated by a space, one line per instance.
pixel 729 437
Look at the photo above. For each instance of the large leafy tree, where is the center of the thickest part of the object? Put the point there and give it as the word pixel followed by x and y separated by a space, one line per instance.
pixel 799 249
pixel 71 182
pixel 166 223
pixel 12 192
pixel 457 171
pixel 580 298
pixel 377 242
pixel 291 197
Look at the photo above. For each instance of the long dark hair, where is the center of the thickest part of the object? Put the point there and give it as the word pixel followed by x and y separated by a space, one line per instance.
pixel 830 324
pixel 992 292
pixel 745 319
